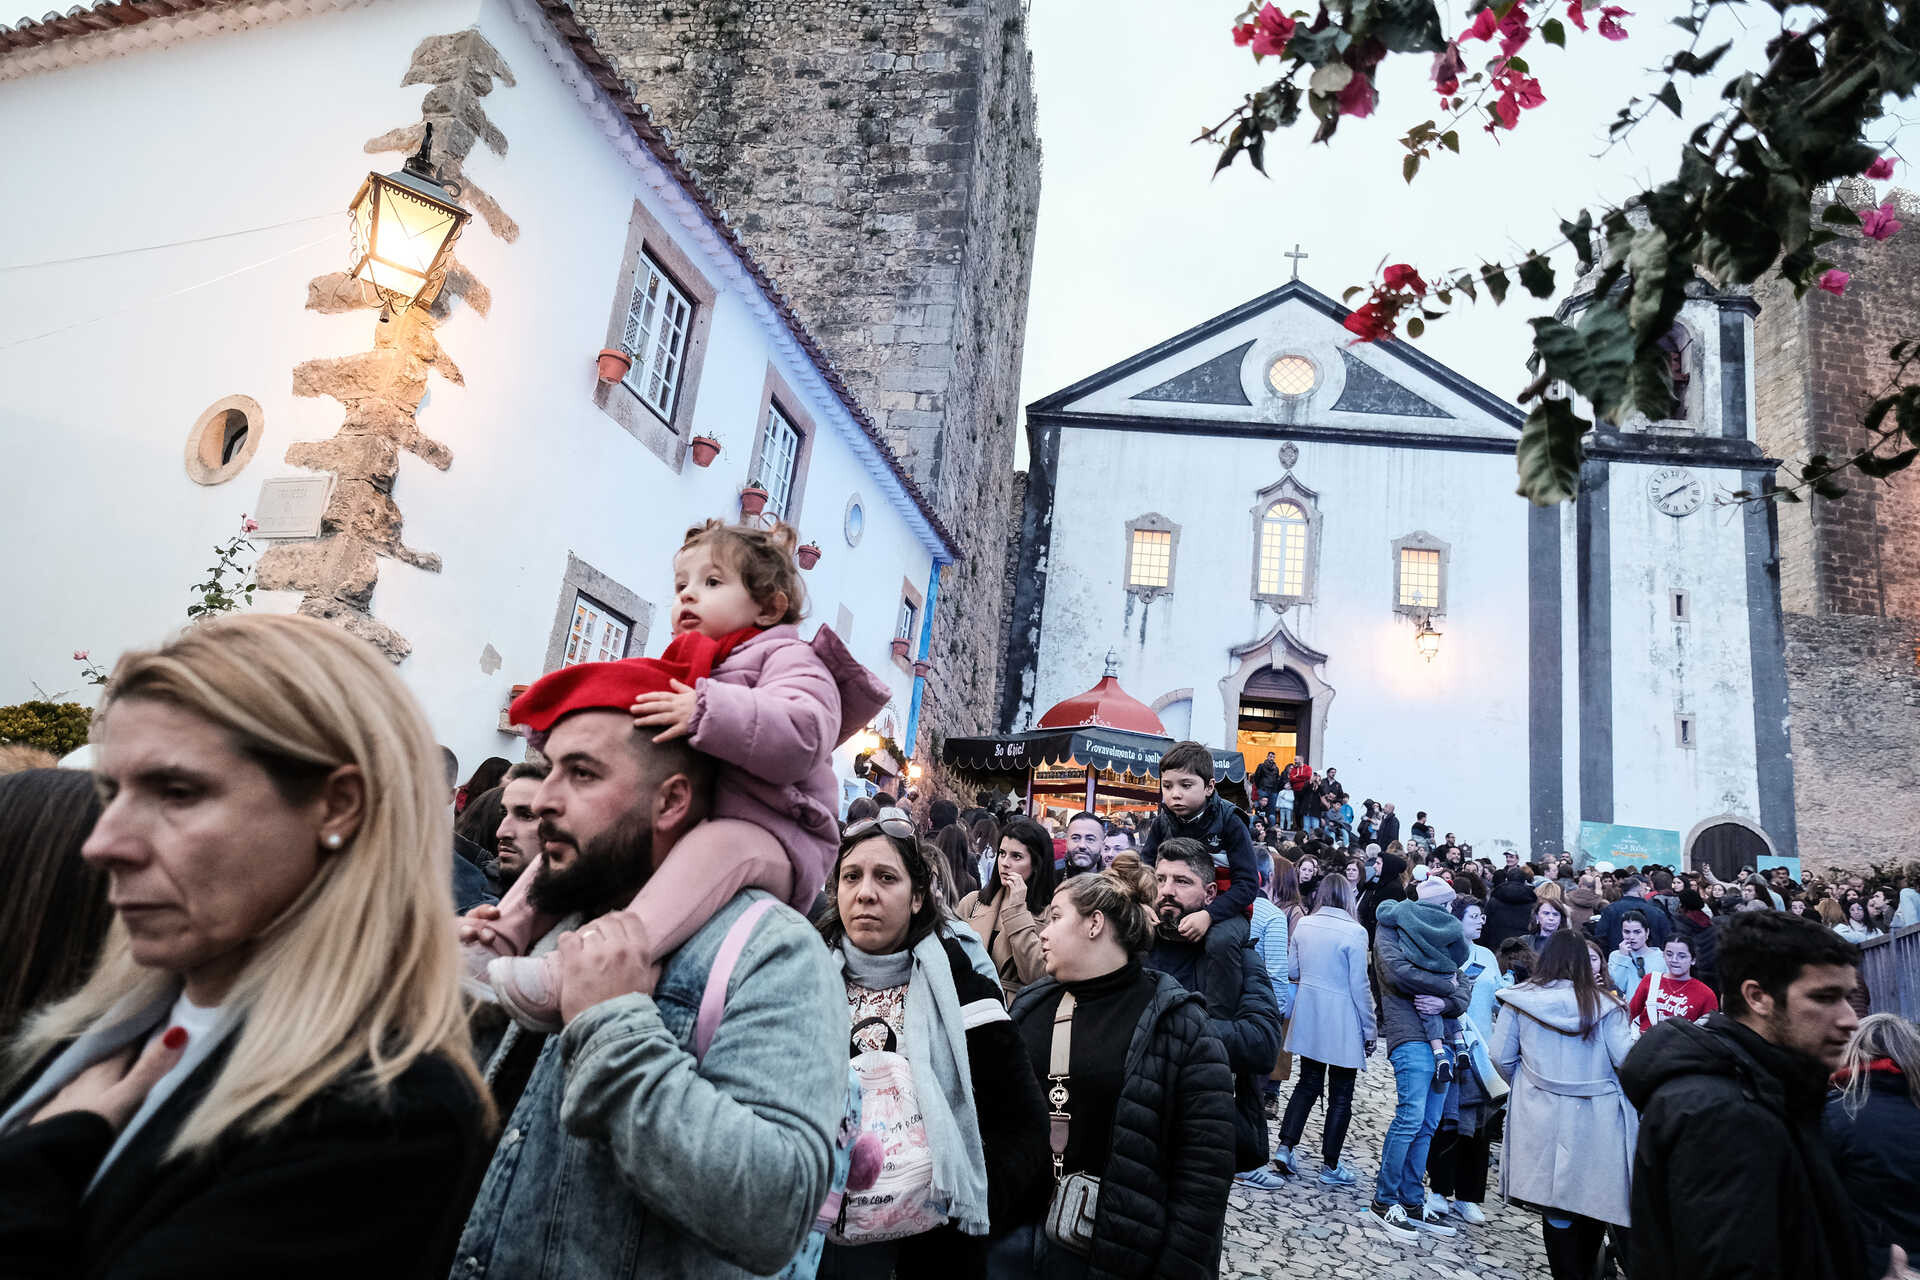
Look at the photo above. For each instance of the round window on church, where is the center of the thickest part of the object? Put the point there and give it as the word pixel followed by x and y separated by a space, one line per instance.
pixel 223 440
pixel 1292 375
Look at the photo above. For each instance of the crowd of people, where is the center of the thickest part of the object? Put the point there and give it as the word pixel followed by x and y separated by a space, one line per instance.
pixel 283 996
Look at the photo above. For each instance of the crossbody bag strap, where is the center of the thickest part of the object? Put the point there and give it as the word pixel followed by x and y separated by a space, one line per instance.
pixel 1057 1073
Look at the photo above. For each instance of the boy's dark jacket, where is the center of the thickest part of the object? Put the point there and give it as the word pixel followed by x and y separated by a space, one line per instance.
pixel 1223 829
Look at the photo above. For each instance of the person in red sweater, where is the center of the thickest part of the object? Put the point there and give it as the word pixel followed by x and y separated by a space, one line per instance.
pixel 1675 993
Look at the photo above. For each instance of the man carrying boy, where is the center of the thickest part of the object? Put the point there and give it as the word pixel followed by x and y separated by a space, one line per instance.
pixel 1190 807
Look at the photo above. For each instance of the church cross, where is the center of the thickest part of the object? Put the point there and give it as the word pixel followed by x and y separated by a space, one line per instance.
pixel 1297 257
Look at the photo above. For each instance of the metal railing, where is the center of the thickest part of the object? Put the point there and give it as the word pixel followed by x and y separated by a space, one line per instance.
pixel 1890 966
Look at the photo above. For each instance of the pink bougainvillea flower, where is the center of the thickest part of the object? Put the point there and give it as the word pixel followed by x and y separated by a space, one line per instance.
pixel 1268 33
pixel 1485 23
pixel 1243 36
pixel 1514 31
pixel 1358 98
pixel 1880 170
pixel 1609 22
pixel 1576 14
pixel 1402 278
pixel 1506 111
pixel 79 655
pixel 1878 224
pixel 1834 281
pixel 1527 91
pixel 1371 322
pixel 1447 66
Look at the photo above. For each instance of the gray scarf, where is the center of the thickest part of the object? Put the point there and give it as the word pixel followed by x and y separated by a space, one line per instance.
pixel 935 1047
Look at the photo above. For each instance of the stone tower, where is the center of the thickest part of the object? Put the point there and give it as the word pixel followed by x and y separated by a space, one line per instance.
pixel 1849 568
pixel 879 158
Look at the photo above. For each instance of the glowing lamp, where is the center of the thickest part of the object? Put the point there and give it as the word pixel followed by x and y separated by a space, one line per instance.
pixel 404 226
pixel 1426 639
pixel 913 772
pixel 865 740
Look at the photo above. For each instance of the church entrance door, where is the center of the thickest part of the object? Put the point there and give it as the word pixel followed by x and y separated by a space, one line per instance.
pixel 1276 715
pixel 1726 847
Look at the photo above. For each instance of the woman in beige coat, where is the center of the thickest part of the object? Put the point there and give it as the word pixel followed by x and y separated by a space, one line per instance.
pixel 1559 1038
pixel 1009 909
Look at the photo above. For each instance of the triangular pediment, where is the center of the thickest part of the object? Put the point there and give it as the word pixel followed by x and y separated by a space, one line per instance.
pixel 1285 360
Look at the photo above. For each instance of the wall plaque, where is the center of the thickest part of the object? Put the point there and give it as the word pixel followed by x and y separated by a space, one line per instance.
pixel 291 506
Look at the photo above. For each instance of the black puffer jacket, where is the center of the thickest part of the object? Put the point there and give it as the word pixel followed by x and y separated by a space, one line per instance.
pixel 1510 912
pixel 1876 1150
pixel 1163 1194
pixel 1731 1177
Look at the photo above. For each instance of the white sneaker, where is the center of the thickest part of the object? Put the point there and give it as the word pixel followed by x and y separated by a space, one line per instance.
pixel 1437 1204
pixel 1428 1221
pixel 1261 1179
pixel 1469 1213
pixel 1283 1161
pixel 1392 1219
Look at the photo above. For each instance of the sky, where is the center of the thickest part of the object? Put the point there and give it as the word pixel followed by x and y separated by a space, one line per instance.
pixel 1136 243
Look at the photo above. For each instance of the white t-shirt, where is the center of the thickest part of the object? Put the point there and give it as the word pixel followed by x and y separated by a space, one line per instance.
pixel 204 1034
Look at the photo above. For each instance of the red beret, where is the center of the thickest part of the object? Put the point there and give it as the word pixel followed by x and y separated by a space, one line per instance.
pixel 612 686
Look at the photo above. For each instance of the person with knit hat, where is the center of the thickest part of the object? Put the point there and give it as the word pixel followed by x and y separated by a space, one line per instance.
pixel 741 686
pixel 1432 939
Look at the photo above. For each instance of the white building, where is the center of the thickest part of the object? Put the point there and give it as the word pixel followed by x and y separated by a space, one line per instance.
pixel 1260 516
pixel 176 182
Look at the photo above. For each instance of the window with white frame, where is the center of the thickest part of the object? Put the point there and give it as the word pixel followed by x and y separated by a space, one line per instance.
pixel 779 454
pixel 903 625
pixel 1152 564
pixel 658 317
pixel 1283 550
pixel 598 634
pixel 1420 563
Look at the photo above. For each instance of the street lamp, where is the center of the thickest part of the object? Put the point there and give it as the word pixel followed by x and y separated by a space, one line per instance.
pixel 1426 639
pixel 404 226
pixel 865 740
pixel 913 772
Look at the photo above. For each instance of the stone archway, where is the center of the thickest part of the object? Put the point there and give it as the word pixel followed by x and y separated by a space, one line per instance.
pixel 1727 842
pixel 1281 651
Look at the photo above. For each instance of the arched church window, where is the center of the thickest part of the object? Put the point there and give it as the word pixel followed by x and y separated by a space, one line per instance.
pixel 1286 535
pixel 1283 550
pixel 1678 348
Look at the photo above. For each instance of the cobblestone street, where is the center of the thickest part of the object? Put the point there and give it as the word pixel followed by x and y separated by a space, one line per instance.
pixel 1311 1230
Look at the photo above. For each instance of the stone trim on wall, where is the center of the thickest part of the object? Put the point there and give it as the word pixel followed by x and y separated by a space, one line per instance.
pixel 1726 819
pixel 209 470
pixel 1279 649
pixel 582 577
pixel 1421 540
pixel 666 437
pixel 774 390
pixel 1153 522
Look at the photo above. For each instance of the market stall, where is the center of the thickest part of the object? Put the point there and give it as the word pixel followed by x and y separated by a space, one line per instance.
pixel 1099 752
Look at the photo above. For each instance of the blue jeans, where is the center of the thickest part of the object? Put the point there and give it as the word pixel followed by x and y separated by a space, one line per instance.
pixel 1403 1158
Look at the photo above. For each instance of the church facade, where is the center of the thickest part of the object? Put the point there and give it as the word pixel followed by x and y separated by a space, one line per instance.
pixel 1299 544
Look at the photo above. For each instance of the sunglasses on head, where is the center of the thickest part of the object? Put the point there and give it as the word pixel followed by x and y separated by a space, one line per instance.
pixel 892 822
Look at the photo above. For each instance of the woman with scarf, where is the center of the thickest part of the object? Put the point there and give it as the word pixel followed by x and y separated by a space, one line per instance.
pixel 1873 1132
pixel 912 990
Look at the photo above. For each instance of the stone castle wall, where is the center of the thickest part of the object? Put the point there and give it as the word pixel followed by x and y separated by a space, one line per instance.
pixel 1849 568
pixel 879 158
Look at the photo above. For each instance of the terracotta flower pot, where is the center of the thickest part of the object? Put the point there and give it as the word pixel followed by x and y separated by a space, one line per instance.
pixel 921 667
pixel 753 500
pixel 704 450
pixel 808 556
pixel 517 691
pixel 900 648
pixel 614 364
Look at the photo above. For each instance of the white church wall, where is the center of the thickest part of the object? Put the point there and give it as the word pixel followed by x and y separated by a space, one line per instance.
pixel 1449 737
pixel 538 470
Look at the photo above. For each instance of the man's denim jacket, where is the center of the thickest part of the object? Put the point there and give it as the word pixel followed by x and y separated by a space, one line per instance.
pixel 624 1157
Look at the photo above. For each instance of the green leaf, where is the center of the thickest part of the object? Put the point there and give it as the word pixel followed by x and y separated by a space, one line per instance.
pixel 1839 215
pixel 1880 468
pixel 1409 167
pixel 1451 141
pixel 1549 453
pixel 1553 32
pixel 1348 295
pixel 1466 285
pixel 1687 62
pixel 1668 97
pixel 1415 327
pixel 1496 281
pixel 1536 276
pixel 1580 235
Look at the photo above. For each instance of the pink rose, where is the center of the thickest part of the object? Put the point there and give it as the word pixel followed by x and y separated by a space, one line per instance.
pixel 248 524
pixel 1834 281
pixel 1880 170
pixel 79 655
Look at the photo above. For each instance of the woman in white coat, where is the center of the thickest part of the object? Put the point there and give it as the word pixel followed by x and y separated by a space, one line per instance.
pixel 1559 1038
pixel 1332 1032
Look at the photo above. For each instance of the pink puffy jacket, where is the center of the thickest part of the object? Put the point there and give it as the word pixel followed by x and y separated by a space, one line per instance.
pixel 771 714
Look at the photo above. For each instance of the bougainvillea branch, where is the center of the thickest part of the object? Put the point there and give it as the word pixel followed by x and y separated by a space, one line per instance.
pixel 1740 205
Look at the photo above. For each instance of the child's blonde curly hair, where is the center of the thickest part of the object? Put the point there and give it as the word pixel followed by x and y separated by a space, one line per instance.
pixel 764 560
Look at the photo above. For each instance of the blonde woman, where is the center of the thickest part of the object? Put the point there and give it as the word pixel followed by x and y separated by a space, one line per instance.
pixel 267 1072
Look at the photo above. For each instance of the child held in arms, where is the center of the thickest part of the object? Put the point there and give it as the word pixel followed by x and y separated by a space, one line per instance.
pixel 741 686
pixel 1190 807
pixel 1431 938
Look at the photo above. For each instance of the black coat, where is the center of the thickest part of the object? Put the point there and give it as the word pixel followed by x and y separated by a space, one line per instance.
pixel 1731 1177
pixel 1606 925
pixel 1245 1018
pixel 1509 914
pixel 1877 1154
pixel 345 1187
pixel 1163 1194
pixel 1008 1101
pixel 1704 942
pixel 1388 831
